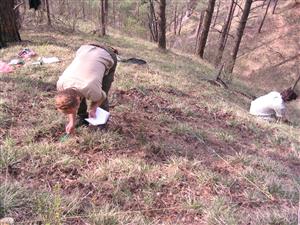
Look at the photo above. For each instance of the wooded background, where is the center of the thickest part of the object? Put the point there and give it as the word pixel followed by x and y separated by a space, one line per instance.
pixel 219 21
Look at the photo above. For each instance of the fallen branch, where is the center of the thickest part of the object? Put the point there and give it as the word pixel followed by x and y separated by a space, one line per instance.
pixel 17 6
pixel 293 88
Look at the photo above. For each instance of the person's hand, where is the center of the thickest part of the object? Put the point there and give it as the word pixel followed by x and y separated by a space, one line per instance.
pixel 70 128
pixel 92 113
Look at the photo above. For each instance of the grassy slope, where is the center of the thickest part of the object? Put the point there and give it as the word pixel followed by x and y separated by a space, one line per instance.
pixel 178 150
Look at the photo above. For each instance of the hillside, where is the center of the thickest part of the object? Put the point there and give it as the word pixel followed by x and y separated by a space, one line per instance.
pixel 267 60
pixel 178 150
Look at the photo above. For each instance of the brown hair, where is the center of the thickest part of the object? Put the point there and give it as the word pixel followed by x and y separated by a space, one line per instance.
pixel 66 99
pixel 288 95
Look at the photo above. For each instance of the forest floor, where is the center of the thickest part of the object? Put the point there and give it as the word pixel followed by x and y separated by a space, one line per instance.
pixel 178 150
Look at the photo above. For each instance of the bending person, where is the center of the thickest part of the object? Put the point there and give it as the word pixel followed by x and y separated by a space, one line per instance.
pixel 272 105
pixel 88 77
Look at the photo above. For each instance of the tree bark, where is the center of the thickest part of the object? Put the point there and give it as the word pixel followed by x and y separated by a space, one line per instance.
pixel 239 34
pixel 224 34
pixel 162 24
pixel 207 22
pixel 8 22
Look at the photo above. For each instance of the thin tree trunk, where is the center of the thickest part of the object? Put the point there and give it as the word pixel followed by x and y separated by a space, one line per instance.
pixel 8 22
pixel 232 15
pixel 175 19
pixel 239 34
pixel 152 22
pixel 106 14
pixel 199 29
pixel 114 12
pixel 224 34
pixel 180 22
pixel 2 43
pixel 102 18
pixel 217 13
pixel 162 24
pixel 83 9
pixel 263 20
pixel 274 7
pixel 48 12
pixel 207 22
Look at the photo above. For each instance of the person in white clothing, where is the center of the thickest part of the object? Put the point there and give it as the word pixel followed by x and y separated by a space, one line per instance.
pixel 272 105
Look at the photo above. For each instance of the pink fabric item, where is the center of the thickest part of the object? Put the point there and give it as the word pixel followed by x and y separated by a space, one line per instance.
pixel 5 68
pixel 26 53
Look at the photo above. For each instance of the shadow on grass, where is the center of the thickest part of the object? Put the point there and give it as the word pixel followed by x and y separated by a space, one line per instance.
pixel 40 84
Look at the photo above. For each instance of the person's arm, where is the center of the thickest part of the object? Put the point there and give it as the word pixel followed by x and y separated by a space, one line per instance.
pixel 98 100
pixel 93 108
pixel 71 125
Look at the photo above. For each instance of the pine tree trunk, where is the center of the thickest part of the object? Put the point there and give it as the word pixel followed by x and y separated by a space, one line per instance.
pixel 207 22
pixel 239 34
pixel 162 24
pixel 8 22
pixel 225 32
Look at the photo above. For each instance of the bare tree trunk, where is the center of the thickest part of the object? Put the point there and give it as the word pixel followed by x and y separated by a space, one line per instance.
pixel 114 12
pixel 62 7
pixel 175 19
pixel 102 18
pixel 263 20
pixel 2 43
pixel 274 7
pixel 224 34
pixel 8 22
pixel 239 34
pixel 207 22
pixel 106 13
pixel 199 29
pixel 152 22
pixel 83 9
pixel 217 14
pixel 48 12
pixel 232 15
pixel 162 24
pixel 180 22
